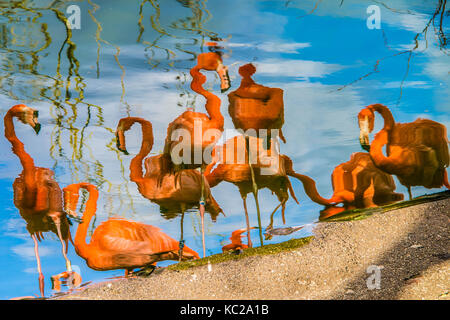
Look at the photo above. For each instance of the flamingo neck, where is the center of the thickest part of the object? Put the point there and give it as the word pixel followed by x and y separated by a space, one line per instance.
pixel 384 111
pixel 376 149
pixel 81 246
pixel 18 149
pixel 212 101
pixel 310 189
pixel 382 137
pixel 247 81
pixel 136 171
pixel 308 184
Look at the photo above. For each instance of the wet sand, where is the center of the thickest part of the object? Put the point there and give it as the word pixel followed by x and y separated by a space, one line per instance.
pixel 409 246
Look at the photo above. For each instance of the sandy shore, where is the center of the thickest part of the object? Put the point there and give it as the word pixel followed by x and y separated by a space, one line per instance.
pixel 409 247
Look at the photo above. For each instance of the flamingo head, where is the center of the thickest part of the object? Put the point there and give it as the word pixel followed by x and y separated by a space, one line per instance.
pixel 70 195
pixel 123 126
pixel 188 254
pixel 212 61
pixel 366 119
pixel 247 70
pixel 27 115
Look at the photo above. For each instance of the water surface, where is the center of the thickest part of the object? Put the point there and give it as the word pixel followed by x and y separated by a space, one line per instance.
pixel 132 58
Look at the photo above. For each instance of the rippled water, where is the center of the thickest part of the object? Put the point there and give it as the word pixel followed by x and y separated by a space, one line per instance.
pixel 132 58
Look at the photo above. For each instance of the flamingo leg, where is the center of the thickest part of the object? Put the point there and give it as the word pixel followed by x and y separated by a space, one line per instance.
pixel 38 261
pixel 255 192
pixel 128 272
pixel 270 226
pixel 247 220
pixel 410 193
pixel 202 210
pixel 63 244
pixel 181 243
pixel 446 183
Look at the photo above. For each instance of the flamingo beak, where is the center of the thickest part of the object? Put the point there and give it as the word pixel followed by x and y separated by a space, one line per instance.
pixel 37 128
pixel 120 142
pixel 225 82
pixel 32 120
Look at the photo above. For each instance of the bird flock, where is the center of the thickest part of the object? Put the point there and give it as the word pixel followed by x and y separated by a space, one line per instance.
pixel 417 153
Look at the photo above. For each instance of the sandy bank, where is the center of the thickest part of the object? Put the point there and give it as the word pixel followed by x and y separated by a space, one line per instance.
pixel 410 247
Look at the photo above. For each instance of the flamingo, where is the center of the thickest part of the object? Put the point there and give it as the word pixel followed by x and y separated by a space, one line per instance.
pixel 357 183
pixel 236 241
pixel 119 243
pixel 192 121
pixel 235 168
pixel 174 192
pixel 417 152
pixel 203 129
pixel 72 279
pixel 253 106
pixel 37 195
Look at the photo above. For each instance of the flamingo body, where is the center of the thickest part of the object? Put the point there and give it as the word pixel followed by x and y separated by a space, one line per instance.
pixel 43 205
pixel 236 241
pixel 173 191
pixel 253 106
pixel 119 243
pixel 359 183
pixel 417 152
pixel 236 169
pixel 125 244
pixel 37 195
pixel 196 124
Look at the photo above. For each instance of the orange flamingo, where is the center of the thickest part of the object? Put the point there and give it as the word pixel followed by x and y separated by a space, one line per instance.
pixel 236 241
pixel 197 123
pixel 118 243
pixel 37 195
pixel 73 280
pixel 417 152
pixel 235 168
pixel 253 106
pixel 357 183
pixel 203 130
pixel 174 192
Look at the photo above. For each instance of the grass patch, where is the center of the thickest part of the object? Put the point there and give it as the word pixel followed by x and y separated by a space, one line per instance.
pixel 358 214
pixel 264 250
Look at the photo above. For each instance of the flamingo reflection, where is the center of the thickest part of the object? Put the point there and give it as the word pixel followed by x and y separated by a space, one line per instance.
pixel 254 106
pixel 173 192
pixel 118 243
pixel 357 183
pixel 235 169
pixel 236 241
pixel 188 120
pixel 203 129
pixel 417 152
pixel 37 195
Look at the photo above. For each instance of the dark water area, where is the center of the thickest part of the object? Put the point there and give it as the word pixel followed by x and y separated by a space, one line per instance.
pixel 133 58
